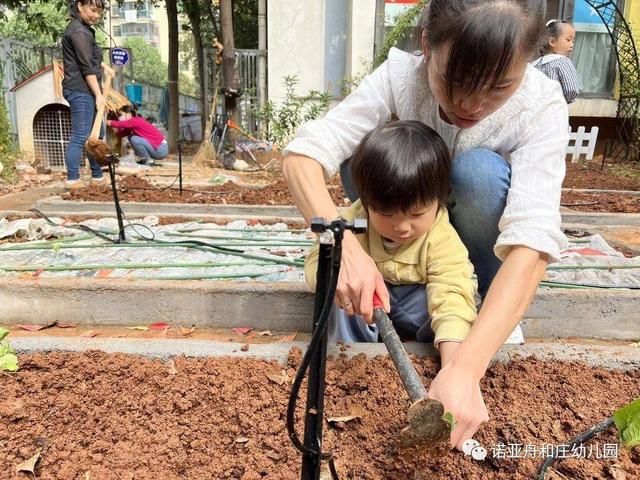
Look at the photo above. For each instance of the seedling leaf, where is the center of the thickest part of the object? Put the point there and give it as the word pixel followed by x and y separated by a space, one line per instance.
pixel 448 417
pixel 3 333
pixel 9 362
pixel 627 421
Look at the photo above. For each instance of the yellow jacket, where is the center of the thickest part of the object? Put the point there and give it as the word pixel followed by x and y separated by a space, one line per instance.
pixel 437 259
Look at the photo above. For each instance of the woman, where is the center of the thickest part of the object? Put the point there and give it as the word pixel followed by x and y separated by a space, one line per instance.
pixel 145 139
pixel 506 126
pixel 81 85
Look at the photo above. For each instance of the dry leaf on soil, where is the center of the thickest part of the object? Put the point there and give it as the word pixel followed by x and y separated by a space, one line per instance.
pixel 35 327
pixel 159 326
pixel 279 378
pixel 241 440
pixel 171 366
pixel 241 330
pixel 65 325
pixel 29 465
pixel 185 332
pixel 90 334
pixel 265 333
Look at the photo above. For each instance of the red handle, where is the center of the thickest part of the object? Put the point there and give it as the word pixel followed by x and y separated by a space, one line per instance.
pixel 377 303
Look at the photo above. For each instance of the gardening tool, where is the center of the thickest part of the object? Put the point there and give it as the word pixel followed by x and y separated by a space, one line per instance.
pixel 426 425
pixel 99 149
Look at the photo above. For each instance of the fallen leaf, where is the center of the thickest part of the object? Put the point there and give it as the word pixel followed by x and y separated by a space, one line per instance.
pixel 185 332
pixel 241 330
pixel 288 338
pixel 265 333
pixel 280 378
pixel 245 347
pixel 37 272
pixel 104 273
pixel 344 419
pixel 159 326
pixel 65 325
pixel 241 440
pixel 142 328
pixel 29 465
pixel 616 471
pixel 90 334
pixel 171 365
pixel 35 328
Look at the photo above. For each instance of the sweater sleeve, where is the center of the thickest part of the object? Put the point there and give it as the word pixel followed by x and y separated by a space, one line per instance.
pixel 333 138
pixel 450 288
pixel 123 123
pixel 532 215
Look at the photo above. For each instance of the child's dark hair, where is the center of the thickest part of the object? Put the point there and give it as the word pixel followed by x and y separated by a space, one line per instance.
pixel 133 110
pixel 485 37
pixel 73 6
pixel 401 165
pixel 554 29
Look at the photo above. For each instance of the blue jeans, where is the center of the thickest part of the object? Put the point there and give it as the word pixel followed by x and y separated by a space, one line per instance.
pixel 480 181
pixel 144 150
pixel 83 112
pixel 408 314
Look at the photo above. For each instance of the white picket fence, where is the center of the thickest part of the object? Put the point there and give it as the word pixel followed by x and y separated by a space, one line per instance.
pixel 581 143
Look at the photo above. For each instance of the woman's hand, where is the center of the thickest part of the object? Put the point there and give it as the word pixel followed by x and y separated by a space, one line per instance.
pixel 359 279
pixel 458 389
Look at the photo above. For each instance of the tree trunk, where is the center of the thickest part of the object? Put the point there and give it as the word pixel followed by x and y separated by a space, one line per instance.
pixel 174 95
pixel 228 56
pixel 196 29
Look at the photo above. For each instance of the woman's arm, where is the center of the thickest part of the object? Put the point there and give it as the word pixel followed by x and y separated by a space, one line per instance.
pixel 457 385
pixel 305 178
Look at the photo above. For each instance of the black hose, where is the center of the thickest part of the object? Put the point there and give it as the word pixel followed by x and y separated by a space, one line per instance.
pixel 319 331
pixel 578 440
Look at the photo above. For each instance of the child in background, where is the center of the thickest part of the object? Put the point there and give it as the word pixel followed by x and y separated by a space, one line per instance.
pixel 145 139
pixel 555 63
pixel 401 172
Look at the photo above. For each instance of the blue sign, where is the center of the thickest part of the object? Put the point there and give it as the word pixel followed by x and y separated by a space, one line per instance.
pixel 586 18
pixel 119 56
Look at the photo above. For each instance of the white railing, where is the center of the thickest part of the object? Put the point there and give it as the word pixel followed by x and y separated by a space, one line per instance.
pixel 581 143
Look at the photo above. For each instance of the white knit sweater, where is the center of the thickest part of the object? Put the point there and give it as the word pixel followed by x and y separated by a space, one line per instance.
pixel 530 131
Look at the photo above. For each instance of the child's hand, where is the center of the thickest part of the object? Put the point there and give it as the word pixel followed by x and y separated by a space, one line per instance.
pixel 458 389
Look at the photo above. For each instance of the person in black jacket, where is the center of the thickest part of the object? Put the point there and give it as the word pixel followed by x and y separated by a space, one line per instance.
pixel 81 84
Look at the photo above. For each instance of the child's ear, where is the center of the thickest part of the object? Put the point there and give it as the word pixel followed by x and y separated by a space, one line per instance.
pixel 552 42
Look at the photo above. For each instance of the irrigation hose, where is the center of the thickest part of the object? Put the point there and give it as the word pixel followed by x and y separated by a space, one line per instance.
pixel 578 440
pixel 319 331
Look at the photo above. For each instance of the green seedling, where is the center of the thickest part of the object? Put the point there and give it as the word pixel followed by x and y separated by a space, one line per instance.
pixel 448 417
pixel 8 358
pixel 627 420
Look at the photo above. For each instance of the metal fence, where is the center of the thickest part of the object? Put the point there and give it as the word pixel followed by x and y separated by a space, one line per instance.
pixel 51 132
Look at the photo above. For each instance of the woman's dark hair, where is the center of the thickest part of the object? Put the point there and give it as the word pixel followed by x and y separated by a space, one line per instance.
pixel 73 6
pixel 554 30
pixel 401 165
pixel 485 37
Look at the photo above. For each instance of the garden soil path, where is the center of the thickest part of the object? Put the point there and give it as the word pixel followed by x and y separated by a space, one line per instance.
pixel 111 416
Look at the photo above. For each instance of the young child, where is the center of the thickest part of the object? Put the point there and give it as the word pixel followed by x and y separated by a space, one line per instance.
pixel 401 172
pixel 554 62
pixel 147 141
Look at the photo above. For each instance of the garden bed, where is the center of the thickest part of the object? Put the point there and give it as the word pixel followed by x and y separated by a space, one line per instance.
pixel 273 191
pixel 112 416
pixel 601 202
pixel 614 176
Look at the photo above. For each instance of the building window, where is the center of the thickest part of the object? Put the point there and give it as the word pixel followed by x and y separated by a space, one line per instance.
pixel 117 31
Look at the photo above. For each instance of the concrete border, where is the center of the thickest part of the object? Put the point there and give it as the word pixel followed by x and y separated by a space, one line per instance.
pixel 56 206
pixel 555 313
pixel 622 357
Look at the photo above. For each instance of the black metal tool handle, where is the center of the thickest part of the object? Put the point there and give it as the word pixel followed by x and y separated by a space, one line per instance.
pixel 408 375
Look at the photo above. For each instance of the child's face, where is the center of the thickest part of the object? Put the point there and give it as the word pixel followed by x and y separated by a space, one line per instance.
pixel 402 228
pixel 563 45
pixel 465 110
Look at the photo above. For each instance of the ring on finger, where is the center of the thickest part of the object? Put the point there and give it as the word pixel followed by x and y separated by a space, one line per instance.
pixel 346 304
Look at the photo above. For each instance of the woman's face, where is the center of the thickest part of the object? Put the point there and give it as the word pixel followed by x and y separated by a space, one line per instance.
pixel 89 13
pixel 465 110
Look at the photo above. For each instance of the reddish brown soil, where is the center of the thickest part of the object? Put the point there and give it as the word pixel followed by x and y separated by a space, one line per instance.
pixel 585 174
pixel 601 202
pixel 135 189
pixel 123 417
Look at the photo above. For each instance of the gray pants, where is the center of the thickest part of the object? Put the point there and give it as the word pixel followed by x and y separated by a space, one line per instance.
pixel 408 314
